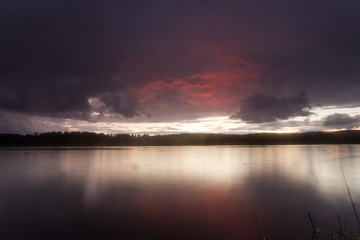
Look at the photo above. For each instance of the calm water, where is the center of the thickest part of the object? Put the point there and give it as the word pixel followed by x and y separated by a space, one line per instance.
pixel 176 192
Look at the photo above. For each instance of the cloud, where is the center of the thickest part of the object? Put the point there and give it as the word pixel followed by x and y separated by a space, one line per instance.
pixel 126 105
pixel 61 97
pixel 56 55
pixel 341 120
pixel 11 122
pixel 261 108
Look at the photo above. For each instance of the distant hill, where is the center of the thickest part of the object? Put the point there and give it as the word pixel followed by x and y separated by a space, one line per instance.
pixel 94 139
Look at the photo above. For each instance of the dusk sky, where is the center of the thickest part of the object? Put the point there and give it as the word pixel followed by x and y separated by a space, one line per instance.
pixel 163 67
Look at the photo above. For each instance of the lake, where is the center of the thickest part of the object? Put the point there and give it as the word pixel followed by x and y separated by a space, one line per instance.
pixel 190 192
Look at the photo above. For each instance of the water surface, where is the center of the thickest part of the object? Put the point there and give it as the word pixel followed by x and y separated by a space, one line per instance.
pixel 200 192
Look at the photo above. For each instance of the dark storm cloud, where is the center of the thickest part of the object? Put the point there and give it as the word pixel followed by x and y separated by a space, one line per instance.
pixel 56 55
pixel 341 120
pixel 261 108
pixel 126 105
pixel 19 123
pixel 320 53
pixel 58 96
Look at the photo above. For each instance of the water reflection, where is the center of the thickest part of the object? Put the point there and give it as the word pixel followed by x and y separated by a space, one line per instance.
pixel 175 192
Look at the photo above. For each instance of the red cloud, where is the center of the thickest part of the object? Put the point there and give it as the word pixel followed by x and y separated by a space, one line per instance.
pixel 216 90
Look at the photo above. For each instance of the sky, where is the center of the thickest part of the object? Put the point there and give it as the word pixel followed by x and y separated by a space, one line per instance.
pixel 163 67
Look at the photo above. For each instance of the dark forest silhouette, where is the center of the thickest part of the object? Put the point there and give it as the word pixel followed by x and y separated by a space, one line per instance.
pixel 100 139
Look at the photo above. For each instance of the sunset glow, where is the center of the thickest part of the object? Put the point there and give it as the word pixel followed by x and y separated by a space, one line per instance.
pixel 170 67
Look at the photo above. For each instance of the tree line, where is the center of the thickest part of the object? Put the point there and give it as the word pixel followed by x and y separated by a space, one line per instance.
pixel 100 139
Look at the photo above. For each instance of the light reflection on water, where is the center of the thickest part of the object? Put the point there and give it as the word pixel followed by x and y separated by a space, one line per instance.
pixel 203 192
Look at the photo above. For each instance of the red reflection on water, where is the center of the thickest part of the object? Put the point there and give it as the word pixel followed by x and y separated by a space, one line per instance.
pixel 208 212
